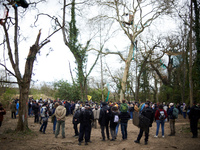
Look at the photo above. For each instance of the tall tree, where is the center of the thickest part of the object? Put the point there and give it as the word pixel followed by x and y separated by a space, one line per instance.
pixel 23 80
pixel 79 51
pixel 139 18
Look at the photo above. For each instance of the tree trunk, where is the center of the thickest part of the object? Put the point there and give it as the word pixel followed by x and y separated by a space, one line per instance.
pixel 190 61
pixel 22 124
pixel 126 71
pixel 156 90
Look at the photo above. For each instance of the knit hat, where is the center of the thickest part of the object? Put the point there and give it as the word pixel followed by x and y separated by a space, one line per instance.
pixel 171 104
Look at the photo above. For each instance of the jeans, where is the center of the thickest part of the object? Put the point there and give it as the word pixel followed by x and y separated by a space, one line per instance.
pixel 131 114
pixel 117 127
pixel 162 123
pixel 17 111
pixel 124 130
pixel 43 126
pixel 184 115
pixel 54 124
pixel 62 124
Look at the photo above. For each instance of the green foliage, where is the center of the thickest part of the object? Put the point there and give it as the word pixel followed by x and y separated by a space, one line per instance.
pixel 66 91
pixel 96 94
pixel 6 97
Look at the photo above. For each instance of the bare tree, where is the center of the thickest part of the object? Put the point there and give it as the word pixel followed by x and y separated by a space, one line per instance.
pixel 23 80
pixel 139 18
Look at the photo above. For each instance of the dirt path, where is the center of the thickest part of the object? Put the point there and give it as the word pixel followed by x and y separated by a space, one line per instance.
pixel 37 140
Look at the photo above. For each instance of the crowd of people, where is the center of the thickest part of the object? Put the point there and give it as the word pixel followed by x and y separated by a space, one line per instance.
pixel 109 115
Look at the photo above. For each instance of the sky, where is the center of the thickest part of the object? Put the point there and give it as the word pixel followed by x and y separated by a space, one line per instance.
pixel 52 64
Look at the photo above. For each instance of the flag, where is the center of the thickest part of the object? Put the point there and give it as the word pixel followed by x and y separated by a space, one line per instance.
pixel 89 97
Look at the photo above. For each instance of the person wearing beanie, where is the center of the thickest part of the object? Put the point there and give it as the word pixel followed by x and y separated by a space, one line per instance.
pixel 60 113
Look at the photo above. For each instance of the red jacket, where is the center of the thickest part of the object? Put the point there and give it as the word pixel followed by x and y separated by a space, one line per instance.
pixel 157 114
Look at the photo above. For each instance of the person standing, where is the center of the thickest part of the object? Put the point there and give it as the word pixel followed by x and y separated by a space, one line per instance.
pixel 13 110
pixel 96 112
pixel 114 119
pixel 131 110
pixel 36 111
pixel 2 113
pixel 184 110
pixel 76 120
pixel 147 112
pixel 171 119
pixel 160 117
pixel 44 117
pixel 104 118
pixel 54 120
pixel 86 118
pixel 60 114
pixel 124 117
pixel 194 115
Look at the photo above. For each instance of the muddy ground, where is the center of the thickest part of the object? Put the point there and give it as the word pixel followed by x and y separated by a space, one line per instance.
pixel 34 140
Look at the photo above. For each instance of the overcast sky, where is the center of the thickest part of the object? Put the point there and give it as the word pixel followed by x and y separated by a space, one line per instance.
pixel 55 66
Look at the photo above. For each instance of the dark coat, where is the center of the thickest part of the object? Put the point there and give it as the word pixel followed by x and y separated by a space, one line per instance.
pixel 170 113
pixel 76 116
pixel 112 117
pixel 36 109
pixel 194 113
pixel 86 117
pixel 2 112
pixel 104 116
pixel 124 117
pixel 148 113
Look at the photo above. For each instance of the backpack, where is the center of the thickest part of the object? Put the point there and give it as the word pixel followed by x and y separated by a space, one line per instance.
pixel 43 112
pixel 124 108
pixel 116 118
pixel 162 115
pixel 175 113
